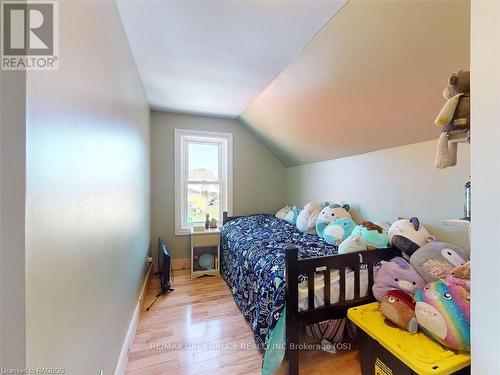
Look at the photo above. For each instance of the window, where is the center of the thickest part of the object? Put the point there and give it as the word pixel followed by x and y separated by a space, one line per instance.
pixel 203 177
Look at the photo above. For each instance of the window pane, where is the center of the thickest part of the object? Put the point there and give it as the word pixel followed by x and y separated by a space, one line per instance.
pixel 202 199
pixel 203 162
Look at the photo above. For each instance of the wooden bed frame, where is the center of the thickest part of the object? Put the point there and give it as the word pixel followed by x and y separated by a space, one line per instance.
pixel 295 319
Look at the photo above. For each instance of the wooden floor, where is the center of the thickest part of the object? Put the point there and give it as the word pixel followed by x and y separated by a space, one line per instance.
pixel 197 329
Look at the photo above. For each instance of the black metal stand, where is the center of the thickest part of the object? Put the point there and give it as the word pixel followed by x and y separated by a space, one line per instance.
pixel 159 295
pixel 162 292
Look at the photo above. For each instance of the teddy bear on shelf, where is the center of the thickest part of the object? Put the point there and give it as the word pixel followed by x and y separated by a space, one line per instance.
pixel 454 117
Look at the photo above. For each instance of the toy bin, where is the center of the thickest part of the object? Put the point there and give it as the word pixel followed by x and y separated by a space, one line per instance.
pixel 385 349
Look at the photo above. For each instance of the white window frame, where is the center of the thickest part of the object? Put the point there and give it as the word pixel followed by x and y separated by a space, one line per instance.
pixel 225 142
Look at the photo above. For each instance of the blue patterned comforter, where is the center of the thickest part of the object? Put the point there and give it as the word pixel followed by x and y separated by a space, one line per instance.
pixel 253 265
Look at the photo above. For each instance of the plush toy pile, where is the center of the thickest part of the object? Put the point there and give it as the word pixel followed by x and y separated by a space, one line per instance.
pixel 428 287
pixel 334 223
pixel 432 292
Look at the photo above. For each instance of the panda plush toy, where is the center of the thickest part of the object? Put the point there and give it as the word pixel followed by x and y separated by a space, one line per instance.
pixel 329 214
pixel 408 235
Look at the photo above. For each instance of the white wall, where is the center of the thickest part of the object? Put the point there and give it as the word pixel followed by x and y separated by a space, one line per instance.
pixel 12 218
pixel 485 157
pixel 87 194
pixel 258 176
pixel 387 184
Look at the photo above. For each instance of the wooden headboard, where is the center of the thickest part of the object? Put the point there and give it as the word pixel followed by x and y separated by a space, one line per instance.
pixel 226 218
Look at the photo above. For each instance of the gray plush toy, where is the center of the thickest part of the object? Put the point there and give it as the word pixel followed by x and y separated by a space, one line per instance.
pixel 436 260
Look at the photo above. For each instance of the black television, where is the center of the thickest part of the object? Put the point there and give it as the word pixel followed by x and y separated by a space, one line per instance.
pixel 164 266
pixel 164 270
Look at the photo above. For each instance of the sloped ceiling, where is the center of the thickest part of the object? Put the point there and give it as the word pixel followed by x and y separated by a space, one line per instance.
pixel 370 79
pixel 214 57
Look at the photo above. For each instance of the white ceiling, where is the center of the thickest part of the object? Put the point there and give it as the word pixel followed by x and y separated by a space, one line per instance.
pixel 214 57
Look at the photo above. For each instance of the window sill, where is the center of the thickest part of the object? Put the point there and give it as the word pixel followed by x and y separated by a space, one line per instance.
pixel 188 232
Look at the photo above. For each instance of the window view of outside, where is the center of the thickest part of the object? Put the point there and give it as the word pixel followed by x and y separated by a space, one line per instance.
pixel 203 182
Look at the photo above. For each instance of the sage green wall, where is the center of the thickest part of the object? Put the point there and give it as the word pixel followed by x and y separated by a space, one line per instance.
pixel 390 183
pixel 258 176
pixel 87 220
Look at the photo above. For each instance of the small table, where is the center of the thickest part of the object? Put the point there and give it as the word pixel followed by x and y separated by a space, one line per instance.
pixel 204 247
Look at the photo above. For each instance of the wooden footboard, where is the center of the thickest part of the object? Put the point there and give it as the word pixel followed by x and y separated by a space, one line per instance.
pixel 296 319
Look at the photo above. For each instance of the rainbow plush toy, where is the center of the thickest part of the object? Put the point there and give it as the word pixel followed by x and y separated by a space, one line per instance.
pixel 443 311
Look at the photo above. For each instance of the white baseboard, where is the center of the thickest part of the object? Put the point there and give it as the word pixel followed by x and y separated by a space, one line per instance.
pixel 181 264
pixel 121 365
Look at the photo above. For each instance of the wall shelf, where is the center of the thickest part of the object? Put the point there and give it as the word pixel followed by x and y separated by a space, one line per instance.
pixel 459 138
pixel 457 223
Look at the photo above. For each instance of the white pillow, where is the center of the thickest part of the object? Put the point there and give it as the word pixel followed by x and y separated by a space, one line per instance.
pixel 283 212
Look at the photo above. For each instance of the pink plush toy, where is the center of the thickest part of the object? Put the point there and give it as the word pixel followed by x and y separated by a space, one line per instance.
pixel 306 221
pixel 396 274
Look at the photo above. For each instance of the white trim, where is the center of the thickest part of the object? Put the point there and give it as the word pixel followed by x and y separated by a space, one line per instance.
pixel 225 172
pixel 121 365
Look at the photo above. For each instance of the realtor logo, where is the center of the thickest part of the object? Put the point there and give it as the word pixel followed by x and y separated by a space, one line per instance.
pixel 29 35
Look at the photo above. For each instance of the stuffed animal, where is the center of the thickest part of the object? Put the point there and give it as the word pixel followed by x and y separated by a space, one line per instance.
pixel 330 213
pixel 213 223
pixel 454 117
pixel 408 235
pixel 291 217
pixel 338 231
pixel 281 214
pixel 443 311
pixel 436 260
pixel 396 274
pixel 398 307
pixel 352 244
pixel 384 225
pixel 306 221
pixel 372 234
pixel 462 271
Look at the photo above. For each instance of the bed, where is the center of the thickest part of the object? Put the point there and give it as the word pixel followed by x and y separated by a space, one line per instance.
pixel 269 264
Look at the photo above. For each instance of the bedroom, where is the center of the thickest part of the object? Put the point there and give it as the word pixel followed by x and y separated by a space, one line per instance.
pixel 159 112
